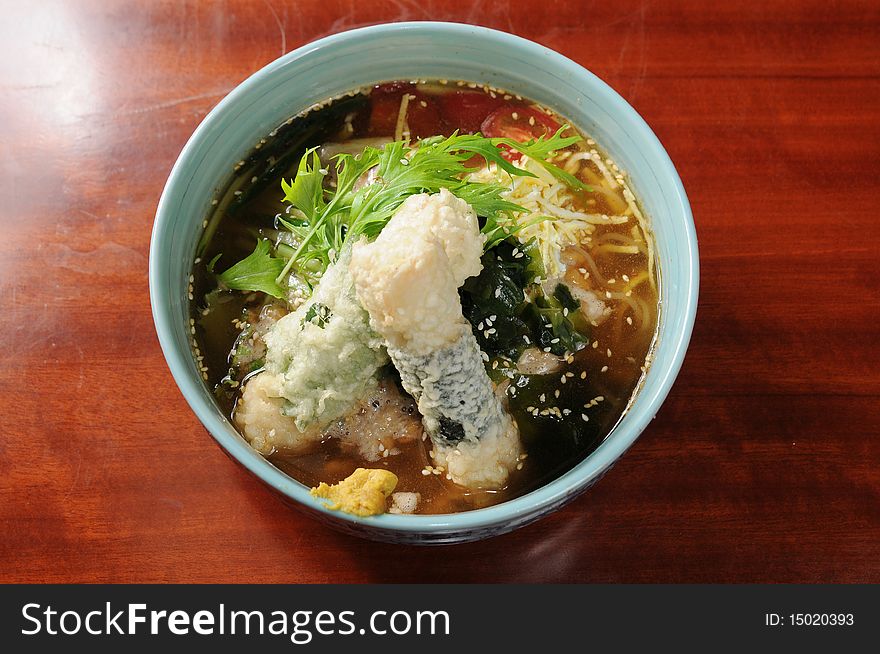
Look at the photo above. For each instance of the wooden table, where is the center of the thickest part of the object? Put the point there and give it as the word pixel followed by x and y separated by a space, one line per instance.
pixel 764 463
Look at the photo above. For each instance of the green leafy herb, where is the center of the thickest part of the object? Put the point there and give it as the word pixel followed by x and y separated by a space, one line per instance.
pixel 323 219
pixel 401 170
pixel 306 193
pixel 542 149
pixel 256 272
pixel 317 314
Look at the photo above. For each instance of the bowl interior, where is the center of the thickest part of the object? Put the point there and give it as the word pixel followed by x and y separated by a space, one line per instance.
pixel 349 60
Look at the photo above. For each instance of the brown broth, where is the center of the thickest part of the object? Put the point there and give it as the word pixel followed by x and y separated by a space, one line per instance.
pixel 553 445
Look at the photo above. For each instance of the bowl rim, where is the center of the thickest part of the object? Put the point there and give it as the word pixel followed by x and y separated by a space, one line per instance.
pixel 514 511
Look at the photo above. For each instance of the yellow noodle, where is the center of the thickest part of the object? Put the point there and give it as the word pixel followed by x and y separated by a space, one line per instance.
pixel 635 281
pixel 619 249
pixel 638 306
pixel 594 269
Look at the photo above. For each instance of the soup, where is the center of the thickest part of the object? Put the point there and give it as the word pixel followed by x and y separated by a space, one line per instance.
pixel 443 285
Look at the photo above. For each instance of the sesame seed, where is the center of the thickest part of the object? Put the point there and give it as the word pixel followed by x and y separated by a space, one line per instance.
pixel 562 379
pixel 608 294
pixel 514 115
pixel 492 331
pixel 569 374
pixel 546 349
pixel 584 417
pixel 595 344
pixel 625 278
pixel 604 369
pixel 423 103
pixel 555 340
pixel 556 393
pixel 519 466
pixel 629 320
pixel 542 397
pixel 608 352
pixel 531 120
pixel 584 374
pixel 493 317
pixel 480 326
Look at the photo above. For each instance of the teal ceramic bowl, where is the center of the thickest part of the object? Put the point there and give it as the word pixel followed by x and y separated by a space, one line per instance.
pixel 339 63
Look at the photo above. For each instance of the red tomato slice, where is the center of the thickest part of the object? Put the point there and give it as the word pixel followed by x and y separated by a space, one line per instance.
pixel 422 114
pixel 519 123
pixel 465 111
pixel 383 114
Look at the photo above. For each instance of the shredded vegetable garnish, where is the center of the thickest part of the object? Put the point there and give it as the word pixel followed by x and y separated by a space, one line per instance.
pixel 550 213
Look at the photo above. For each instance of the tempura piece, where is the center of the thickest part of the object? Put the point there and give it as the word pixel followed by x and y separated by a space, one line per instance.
pixel 259 416
pixel 379 424
pixel 408 281
pixel 321 360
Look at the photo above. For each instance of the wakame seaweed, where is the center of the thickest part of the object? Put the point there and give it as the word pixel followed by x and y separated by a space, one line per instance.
pixel 505 323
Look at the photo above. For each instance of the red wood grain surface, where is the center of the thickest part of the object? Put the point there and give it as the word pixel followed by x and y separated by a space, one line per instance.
pixel 764 463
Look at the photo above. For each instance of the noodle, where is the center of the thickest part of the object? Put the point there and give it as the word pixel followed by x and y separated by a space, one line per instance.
pixel 620 249
pixel 594 269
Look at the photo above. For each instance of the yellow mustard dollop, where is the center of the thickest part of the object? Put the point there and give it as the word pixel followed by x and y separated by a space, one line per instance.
pixel 362 493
